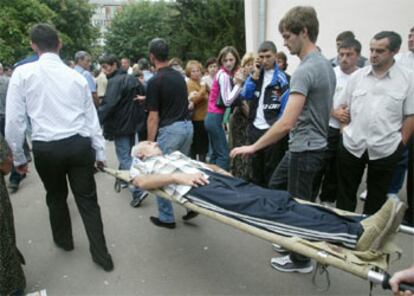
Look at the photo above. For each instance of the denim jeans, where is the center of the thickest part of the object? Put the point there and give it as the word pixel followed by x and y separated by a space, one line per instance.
pixel 217 137
pixel 123 145
pixel 399 173
pixel 173 137
pixel 296 173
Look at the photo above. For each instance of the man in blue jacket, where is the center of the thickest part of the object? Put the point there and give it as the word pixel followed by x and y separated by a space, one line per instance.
pixel 267 89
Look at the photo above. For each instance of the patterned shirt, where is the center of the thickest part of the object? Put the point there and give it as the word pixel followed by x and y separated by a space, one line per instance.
pixel 175 162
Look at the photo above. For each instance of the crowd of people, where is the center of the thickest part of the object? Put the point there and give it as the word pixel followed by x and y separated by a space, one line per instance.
pixel 310 134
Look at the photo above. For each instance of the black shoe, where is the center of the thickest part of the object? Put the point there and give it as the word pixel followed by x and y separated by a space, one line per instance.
pixel 159 223
pixel 13 187
pixel 17 292
pixel 190 215
pixel 65 246
pixel 136 202
pixel 107 264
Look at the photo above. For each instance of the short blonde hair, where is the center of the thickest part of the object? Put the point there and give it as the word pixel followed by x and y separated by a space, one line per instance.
pixel 247 58
pixel 190 65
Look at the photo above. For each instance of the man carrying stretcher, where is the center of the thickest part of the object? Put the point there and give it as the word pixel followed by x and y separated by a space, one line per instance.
pixel 213 188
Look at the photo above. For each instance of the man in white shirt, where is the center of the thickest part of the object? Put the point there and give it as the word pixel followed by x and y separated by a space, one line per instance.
pixel 126 65
pixel 406 162
pixel 66 137
pixel 406 59
pixel 83 64
pixel 380 98
pixel 348 54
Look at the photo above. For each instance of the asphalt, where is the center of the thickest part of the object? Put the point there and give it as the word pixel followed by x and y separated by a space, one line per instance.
pixel 201 257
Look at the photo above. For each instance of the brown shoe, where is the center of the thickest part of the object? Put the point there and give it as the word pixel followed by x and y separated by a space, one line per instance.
pixel 398 218
pixel 377 226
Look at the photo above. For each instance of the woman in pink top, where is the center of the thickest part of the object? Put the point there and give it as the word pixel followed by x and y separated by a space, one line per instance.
pixel 223 93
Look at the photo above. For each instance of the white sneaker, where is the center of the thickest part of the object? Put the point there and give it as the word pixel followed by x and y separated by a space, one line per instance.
pixel 363 195
pixel 328 204
pixel 393 195
pixel 285 264
pixel 279 249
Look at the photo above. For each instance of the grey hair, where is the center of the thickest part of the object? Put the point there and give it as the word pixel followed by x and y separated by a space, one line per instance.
pixel 81 55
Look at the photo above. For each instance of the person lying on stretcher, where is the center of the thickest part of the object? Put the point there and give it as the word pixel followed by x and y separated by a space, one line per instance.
pixel 274 210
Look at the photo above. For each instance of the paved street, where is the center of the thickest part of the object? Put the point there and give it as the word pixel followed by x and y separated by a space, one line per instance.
pixel 203 257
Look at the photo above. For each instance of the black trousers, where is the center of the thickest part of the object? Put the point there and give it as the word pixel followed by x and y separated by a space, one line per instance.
pixel 326 179
pixel 409 214
pixel 265 161
pixel 350 172
pixel 72 158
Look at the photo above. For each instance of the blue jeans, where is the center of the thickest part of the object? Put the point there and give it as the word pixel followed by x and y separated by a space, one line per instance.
pixel 173 137
pixel 217 137
pixel 296 173
pixel 123 145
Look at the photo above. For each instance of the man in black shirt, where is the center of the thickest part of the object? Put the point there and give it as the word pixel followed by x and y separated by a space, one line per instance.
pixel 168 120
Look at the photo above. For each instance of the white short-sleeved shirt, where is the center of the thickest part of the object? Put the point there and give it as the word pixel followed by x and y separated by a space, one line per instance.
pixel 341 82
pixel 406 59
pixel 377 108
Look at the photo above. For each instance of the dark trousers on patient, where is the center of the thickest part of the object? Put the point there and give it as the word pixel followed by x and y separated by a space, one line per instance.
pixel 72 158
pixel 275 210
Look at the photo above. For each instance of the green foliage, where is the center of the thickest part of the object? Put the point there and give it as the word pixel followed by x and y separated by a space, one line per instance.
pixel 194 29
pixel 133 27
pixel 73 20
pixel 70 17
pixel 201 28
pixel 16 18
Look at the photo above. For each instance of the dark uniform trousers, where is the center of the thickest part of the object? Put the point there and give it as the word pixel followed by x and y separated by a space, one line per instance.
pixel 72 158
pixel 379 176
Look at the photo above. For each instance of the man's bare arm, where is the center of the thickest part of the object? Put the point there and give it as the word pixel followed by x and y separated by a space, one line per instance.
pixel 156 181
pixel 279 129
pixel 152 123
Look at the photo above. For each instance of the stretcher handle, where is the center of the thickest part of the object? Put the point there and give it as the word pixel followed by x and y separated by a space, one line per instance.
pixel 402 286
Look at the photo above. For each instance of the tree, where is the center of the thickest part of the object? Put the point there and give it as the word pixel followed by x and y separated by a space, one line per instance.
pixel 16 18
pixel 73 20
pixel 194 29
pixel 133 27
pixel 201 28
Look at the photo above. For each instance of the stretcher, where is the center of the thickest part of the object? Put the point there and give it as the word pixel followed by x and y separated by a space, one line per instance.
pixel 369 265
